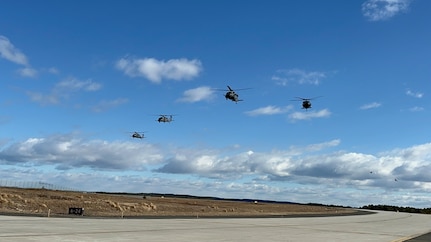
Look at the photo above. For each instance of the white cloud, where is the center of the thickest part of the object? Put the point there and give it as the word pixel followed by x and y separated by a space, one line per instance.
pixel 376 10
pixel 370 105
pixel 299 165
pixel 308 173
pixel 269 110
pixel 53 70
pixel 324 145
pixel 43 98
pixel 283 81
pixel 63 90
pixel 197 94
pixel 284 77
pixel 67 152
pixel 211 164
pixel 104 105
pixel 309 115
pixel 416 109
pixel 414 94
pixel 156 70
pixel 73 84
pixel 27 72
pixel 11 53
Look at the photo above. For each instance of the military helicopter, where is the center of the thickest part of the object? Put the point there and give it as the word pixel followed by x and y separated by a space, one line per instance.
pixel 137 135
pixel 165 118
pixel 306 104
pixel 232 95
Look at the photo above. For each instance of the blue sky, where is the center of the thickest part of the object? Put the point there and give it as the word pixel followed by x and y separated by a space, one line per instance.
pixel 78 76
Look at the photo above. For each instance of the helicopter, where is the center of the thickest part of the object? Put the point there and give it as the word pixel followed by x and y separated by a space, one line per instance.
pixel 306 104
pixel 165 118
pixel 232 95
pixel 137 135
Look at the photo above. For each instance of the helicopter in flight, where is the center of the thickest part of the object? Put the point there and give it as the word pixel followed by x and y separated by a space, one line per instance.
pixel 165 118
pixel 232 95
pixel 306 102
pixel 137 135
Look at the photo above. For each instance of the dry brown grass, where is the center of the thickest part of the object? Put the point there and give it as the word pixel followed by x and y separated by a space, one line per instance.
pixel 57 203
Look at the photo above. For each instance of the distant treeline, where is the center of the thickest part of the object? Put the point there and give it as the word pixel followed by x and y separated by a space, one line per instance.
pixel 328 205
pixel 398 209
pixel 170 195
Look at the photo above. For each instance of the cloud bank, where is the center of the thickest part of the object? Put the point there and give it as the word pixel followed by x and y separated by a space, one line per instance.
pixel 305 172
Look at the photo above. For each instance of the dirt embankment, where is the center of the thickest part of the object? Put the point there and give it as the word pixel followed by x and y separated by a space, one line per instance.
pixel 57 203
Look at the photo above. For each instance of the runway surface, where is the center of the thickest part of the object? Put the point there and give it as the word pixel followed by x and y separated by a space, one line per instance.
pixel 381 226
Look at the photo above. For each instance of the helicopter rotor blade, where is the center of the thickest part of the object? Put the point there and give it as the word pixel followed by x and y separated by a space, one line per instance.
pixel 230 89
pixel 315 97
pixel 239 89
pixel 299 99
pixel 220 89
pixel 242 89
pixel 307 99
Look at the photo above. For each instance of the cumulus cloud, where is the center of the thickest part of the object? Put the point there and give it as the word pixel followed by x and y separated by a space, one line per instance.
pixel 300 165
pixel 283 77
pixel 370 105
pixel 310 173
pixel 67 152
pixel 197 94
pixel 269 110
pixel 324 113
pixel 376 10
pixel 210 163
pixel 157 70
pixel 207 163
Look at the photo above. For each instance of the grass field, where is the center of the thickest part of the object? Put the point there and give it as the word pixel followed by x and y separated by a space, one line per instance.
pixel 43 202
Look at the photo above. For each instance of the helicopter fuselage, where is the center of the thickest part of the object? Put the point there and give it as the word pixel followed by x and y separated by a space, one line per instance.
pixel 306 104
pixel 137 136
pixel 231 95
pixel 164 119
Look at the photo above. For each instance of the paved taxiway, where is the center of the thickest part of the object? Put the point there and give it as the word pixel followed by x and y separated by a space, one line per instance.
pixel 381 226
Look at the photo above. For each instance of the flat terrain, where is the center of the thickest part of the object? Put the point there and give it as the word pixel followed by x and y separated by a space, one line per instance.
pixel 42 202
pixel 374 227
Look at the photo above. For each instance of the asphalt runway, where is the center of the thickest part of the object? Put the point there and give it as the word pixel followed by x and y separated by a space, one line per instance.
pixel 380 226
